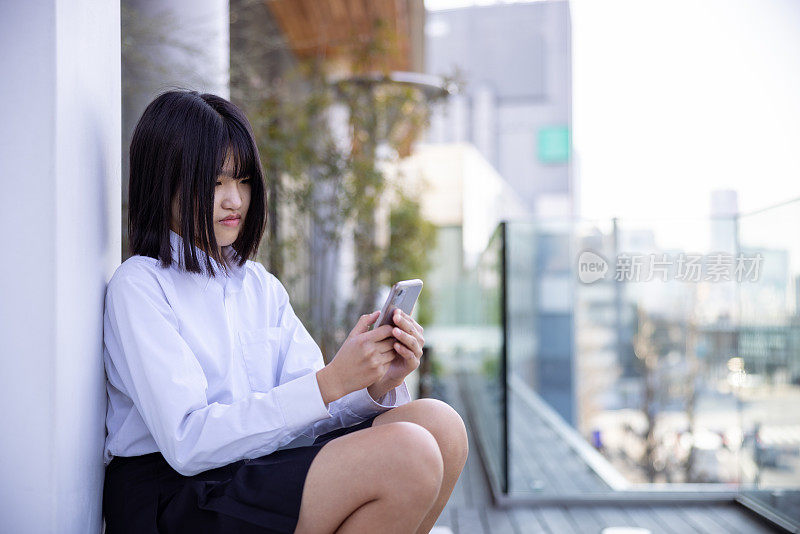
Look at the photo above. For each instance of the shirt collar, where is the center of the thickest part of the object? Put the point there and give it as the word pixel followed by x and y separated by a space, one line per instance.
pixel 232 282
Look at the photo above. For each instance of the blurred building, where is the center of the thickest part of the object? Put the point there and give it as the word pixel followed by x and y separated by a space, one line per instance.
pixel 515 109
pixel 720 303
pixel 724 210
pixel 516 62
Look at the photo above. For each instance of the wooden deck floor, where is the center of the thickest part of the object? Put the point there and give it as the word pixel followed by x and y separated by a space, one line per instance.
pixel 470 509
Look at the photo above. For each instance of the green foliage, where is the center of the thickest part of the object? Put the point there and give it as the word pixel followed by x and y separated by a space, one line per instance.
pixel 490 367
pixel 436 369
pixel 298 152
pixel 411 240
pixel 305 161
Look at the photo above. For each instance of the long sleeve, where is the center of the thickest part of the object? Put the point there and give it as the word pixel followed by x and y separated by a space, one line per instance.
pixel 167 385
pixel 301 356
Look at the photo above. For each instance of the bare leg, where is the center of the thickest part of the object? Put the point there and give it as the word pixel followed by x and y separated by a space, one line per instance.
pixel 379 479
pixel 441 420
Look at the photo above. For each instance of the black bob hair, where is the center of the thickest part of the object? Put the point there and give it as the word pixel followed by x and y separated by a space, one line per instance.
pixel 179 147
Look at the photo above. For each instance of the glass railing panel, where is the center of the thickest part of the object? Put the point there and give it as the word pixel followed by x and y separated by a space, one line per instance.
pixel 654 337
pixel 465 338
pixel 767 372
pixel 641 357
pixel 630 358
pixel 482 362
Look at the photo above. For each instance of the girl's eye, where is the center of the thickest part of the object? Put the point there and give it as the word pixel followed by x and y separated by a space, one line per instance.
pixel 245 181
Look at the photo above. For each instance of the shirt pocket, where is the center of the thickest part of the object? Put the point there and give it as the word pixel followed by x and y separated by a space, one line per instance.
pixel 260 349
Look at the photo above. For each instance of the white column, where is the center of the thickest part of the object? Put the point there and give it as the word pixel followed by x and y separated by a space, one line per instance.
pixel 484 130
pixel 60 170
pixel 188 44
pixel 459 118
pixel 177 44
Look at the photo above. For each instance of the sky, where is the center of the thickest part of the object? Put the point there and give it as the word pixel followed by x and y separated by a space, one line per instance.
pixel 675 98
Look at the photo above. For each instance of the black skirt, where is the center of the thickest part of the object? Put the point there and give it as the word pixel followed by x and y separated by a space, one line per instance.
pixel 143 494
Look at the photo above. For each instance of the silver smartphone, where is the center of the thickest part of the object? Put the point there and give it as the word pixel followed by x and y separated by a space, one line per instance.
pixel 403 295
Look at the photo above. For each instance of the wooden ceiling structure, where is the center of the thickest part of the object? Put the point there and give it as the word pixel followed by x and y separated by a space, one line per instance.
pixel 333 28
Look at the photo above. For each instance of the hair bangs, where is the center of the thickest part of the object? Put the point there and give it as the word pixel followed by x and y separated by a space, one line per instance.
pixel 245 160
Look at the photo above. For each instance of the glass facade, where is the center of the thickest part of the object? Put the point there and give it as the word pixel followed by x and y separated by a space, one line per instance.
pixel 635 356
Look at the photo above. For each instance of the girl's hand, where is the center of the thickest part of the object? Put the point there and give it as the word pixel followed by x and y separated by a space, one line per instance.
pixel 407 350
pixel 363 358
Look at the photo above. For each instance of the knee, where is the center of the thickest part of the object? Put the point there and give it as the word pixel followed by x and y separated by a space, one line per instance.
pixel 417 460
pixel 448 429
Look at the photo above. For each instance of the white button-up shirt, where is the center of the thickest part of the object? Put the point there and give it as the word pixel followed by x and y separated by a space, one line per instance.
pixel 212 371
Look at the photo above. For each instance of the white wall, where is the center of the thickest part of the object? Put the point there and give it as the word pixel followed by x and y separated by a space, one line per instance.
pixel 60 171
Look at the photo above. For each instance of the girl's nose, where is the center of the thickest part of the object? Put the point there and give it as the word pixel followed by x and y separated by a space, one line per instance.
pixel 233 198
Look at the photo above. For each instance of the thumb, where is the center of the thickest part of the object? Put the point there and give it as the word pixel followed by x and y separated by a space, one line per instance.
pixel 364 323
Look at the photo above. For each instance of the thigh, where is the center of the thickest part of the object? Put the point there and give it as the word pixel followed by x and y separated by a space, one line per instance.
pixel 401 460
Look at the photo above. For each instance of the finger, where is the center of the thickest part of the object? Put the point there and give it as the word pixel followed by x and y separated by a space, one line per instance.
pixel 387 357
pixel 420 339
pixel 364 323
pixel 385 345
pixel 380 333
pixel 411 326
pixel 404 351
pixel 414 327
pixel 416 324
pixel 407 339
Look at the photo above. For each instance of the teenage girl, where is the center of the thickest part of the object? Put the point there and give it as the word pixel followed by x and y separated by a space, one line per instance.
pixel 222 416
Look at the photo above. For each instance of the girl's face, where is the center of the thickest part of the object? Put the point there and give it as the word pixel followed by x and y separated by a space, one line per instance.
pixel 231 199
